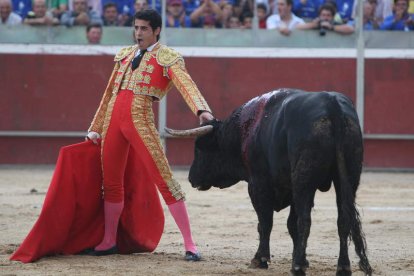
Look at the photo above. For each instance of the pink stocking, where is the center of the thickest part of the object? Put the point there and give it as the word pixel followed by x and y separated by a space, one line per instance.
pixel 112 213
pixel 179 212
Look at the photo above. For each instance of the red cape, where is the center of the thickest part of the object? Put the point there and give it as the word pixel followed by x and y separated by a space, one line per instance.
pixel 72 217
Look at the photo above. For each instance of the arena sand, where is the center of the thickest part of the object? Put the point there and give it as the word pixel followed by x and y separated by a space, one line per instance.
pixel 225 227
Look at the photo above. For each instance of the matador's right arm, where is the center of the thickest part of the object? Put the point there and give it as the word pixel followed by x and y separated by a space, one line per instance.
pixel 98 119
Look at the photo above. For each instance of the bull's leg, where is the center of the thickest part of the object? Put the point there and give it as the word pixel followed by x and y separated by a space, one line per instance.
pixel 292 224
pixel 344 265
pixel 344 229
pixel 263 205
pixel 303 203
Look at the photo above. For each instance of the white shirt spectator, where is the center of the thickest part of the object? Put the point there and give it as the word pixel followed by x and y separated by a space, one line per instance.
pixel 383 9
pixel 12 20
pixel 95 5
pixel 274 22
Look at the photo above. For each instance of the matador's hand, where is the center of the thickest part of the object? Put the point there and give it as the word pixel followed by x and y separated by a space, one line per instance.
pixel 205 117
pixel 93 136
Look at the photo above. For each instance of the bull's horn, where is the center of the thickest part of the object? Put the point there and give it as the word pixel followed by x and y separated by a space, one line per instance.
pixel 198 131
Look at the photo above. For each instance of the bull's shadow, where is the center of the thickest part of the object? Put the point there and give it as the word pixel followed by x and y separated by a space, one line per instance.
pixel 287 144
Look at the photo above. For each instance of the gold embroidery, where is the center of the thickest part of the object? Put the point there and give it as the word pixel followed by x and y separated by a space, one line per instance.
pixel 149 68
pixel 147 79
pixel 124 73
pixel 167 56
pixel 124 52
pixel 147 56
pixel 107 119
pixel 98 119
pixel 143 119
pixel 188 88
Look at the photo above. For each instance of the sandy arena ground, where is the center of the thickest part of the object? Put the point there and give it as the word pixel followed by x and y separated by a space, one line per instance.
pixel 224 226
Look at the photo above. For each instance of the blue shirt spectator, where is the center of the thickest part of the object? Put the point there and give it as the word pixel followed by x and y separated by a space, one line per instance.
pixel 22 7
pixel 307 9
pixel 190 6
pixel 370 22
pixel 401 20
pixel 176 17
pixel 344 9
pixel 124 6
pixel 157 5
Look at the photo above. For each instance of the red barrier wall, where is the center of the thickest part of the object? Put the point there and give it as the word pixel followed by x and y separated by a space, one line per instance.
pixel 62 92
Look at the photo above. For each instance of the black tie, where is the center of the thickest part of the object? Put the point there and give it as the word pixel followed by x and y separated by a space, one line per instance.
pixel 137 59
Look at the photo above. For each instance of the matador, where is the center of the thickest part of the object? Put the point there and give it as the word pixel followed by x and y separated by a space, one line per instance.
pixel 143 73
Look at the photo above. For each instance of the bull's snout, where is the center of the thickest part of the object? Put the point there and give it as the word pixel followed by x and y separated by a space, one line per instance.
pixel 198 186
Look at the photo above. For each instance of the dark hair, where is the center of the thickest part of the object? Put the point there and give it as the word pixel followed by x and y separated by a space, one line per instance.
pixel 152 16
pixel 289 2
pixel 95 25
pixel 109 5
pixel 328 7
pixel 262 6
pixel 246 14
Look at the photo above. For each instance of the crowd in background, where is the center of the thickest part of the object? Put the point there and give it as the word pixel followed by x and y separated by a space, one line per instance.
pixel 281 15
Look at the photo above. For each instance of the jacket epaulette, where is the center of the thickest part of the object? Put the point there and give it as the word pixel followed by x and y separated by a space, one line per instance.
pixel 124 52
pixel 167 56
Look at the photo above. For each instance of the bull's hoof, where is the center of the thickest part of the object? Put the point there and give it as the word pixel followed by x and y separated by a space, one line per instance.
pixel 298 270
pixel 344 270
pixel 366 268
pixel 262 263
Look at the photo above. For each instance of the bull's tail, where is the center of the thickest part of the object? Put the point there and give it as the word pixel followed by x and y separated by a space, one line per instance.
pixel 348 174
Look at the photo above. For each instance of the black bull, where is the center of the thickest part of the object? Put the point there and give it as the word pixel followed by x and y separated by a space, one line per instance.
pixel 287 144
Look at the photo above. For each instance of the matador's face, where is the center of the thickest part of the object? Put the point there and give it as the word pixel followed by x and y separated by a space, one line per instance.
pixel 144 34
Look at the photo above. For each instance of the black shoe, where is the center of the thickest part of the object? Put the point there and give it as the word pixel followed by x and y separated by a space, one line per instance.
pixel 110 251
pixel 86 251
pixel 190 256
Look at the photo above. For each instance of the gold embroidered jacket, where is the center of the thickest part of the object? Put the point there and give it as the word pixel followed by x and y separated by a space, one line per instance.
pixel 158 71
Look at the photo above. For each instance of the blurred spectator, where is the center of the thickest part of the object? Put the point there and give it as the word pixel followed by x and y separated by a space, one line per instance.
pixel 285 21
pixel 22 7
pixel 233 23
pixel 247 20
pixel 57 7
pixel 110 15
pixel 208 15
pixel 383 9
pixel 306 9
pixel 270 6
pixel 343 8
pixel 139 5
pixel 125 7
pixel 337 17
pixel 370 22
pixel 210 23
pixel 262 15
pixel 94 34
pixel 80 15
pixel 401 20
pixel 226 13
pixel 240 7
pixel 93 5
pixel 157 5
pixel 7 16
pixel 40 16
pixel 176 16
pixel 325 22
pixel 190 6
